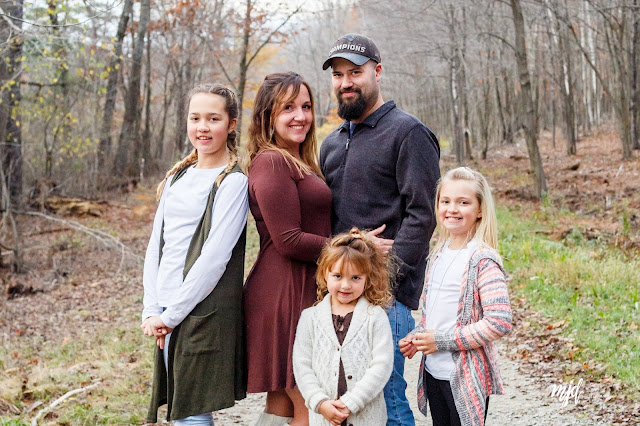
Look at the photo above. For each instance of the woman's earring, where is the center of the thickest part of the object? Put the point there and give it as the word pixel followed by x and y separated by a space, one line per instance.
pixel 271 134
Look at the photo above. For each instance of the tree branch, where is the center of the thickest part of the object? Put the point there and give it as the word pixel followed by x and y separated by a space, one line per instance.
pixel 102 12
pixel 41 85
pixel 58 401
pixel 502 39
pixel 224 71
pixel 10 19
pixel 106 239
pixel 264 43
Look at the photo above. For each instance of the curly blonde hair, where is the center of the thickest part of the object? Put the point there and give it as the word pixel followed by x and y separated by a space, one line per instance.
pixel 358 250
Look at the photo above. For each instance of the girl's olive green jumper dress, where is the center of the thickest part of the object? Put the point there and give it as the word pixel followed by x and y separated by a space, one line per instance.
pixel 206 353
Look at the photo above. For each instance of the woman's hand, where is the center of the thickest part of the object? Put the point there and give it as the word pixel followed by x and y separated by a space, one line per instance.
pixel 425 342
pixel 383 244
pixel 407 347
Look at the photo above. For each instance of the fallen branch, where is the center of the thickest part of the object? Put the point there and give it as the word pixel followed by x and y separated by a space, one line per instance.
pixel 619 170
pixel 106 239
pixel 46 231
pixel 537 231
pixel 58 401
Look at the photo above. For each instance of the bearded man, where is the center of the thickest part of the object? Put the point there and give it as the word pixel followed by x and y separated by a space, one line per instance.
pixel 382 165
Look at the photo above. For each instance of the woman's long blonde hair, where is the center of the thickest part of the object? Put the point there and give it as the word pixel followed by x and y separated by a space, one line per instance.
pixel 271 99
pixel 358 250
pixel 231 104
pixel 485 230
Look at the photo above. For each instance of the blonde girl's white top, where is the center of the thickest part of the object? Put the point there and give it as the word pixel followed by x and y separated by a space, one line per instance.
pixel 445 277
pixel 181 207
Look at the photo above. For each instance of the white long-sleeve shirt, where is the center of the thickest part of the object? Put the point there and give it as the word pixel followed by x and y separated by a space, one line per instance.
pixel 445 279
pixel 181 207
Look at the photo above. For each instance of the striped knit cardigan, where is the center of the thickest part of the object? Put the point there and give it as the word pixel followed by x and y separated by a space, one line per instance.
pixel 484 315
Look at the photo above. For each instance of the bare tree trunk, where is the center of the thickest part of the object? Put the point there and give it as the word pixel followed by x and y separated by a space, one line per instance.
pixel 507 108
pixel 554 78
pixel 179 96
pixel 146 135
pixel 242 71
pixel 484 117
pixel 166 103
pixel 455 113
pixel 567 85
pixel 591 60
pixel 584 71
pixel 131 124
pixel 455 61
pixel 104 146
pixel 635 72
pixel 6 207
pixel 615 37
pixel 620 99
pixel 484 114
pixel 61 118
pixel 464 88
pixel 530 119
pixel 503 121
pixel 10 117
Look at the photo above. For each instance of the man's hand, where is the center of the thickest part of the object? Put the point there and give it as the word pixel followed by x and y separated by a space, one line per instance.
pixel 333 411
pixel 425 342
pixel 383 244
pixel 407 347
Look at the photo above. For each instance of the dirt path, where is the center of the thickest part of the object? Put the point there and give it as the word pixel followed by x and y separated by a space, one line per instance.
pixel 526 401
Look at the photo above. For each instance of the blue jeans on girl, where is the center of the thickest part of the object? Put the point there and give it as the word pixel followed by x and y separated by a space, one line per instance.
pixel 205 419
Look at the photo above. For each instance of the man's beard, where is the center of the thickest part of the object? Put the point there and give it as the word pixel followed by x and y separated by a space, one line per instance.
pixel 354 109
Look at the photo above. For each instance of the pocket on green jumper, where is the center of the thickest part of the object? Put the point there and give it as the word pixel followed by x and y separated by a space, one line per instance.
pixel 200 334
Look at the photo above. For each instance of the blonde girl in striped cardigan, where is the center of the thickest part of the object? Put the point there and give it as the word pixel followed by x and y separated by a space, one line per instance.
pixel 465 305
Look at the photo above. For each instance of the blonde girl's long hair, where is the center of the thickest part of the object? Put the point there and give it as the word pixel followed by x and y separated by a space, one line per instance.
pixel 485 230
pixel 358 250
pixel 271 99
pixel 231 105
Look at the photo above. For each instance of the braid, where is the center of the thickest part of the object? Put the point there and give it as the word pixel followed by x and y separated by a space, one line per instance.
pixel 233 160
pixel 190 159
pixel 233 156
pixel 231 142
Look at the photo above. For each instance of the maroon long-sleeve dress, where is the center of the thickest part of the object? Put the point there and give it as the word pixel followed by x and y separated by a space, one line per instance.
pixel 293 218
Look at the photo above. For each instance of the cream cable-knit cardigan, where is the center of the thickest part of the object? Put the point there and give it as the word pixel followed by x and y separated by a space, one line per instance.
pixel 367 357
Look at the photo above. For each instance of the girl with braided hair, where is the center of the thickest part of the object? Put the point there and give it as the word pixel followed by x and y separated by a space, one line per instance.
pixel 194 268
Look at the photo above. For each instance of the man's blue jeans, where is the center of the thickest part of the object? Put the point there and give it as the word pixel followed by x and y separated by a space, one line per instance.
pixel 398 409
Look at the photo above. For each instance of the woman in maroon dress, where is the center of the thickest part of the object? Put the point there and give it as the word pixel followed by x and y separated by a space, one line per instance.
pixel 291 205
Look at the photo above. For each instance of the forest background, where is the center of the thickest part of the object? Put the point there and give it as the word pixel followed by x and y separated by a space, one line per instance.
pixel 541 95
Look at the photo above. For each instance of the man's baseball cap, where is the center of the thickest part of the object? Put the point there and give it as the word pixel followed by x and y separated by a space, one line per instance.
pixel 355 48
